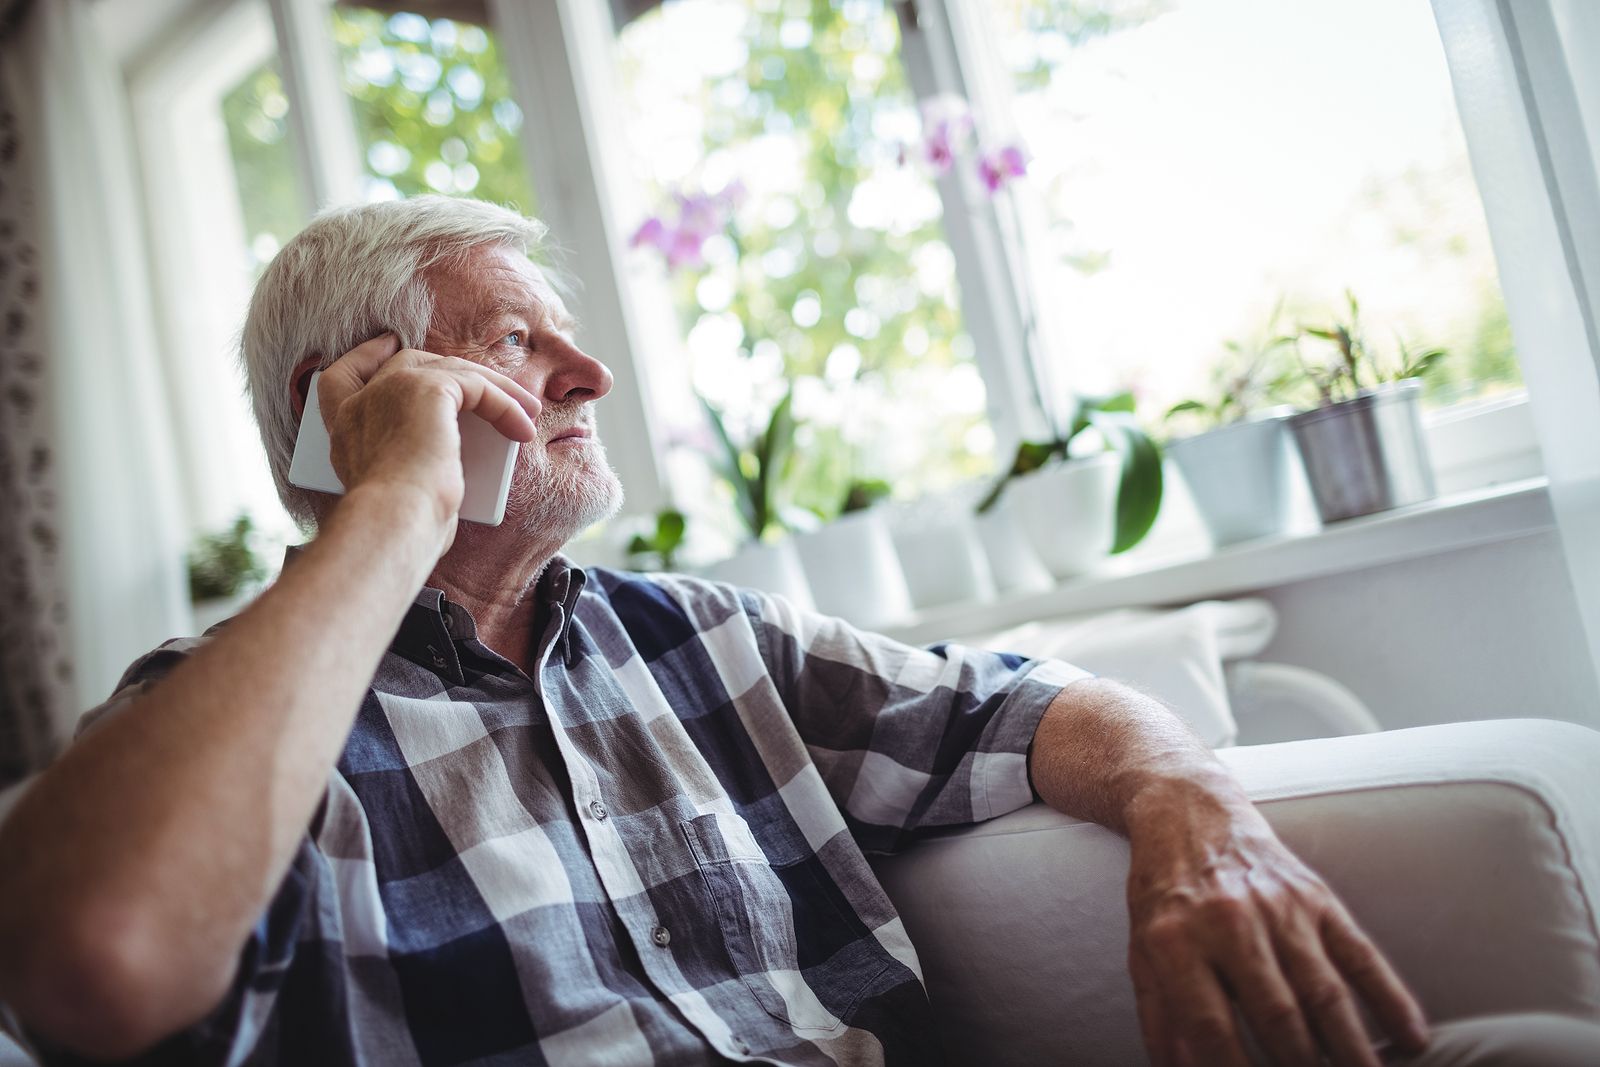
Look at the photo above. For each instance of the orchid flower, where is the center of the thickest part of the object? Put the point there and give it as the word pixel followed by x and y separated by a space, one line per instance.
pixel 996 169
pixel 700 216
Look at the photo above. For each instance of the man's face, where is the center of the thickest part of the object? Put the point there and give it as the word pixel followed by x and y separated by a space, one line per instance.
pixel 496 308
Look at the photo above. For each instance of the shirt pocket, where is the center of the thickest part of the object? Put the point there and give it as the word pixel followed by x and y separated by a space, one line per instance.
pixel 756 917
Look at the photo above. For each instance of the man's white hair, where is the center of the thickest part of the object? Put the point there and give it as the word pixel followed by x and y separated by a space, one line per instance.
pixel 353 273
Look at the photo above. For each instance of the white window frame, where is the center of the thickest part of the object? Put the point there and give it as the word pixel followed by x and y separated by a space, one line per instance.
pixel 1522 108
pixel 1516 93
pixel 193 216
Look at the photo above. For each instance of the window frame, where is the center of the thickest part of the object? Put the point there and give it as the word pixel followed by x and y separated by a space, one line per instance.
pixel 187 178
pixel 560 55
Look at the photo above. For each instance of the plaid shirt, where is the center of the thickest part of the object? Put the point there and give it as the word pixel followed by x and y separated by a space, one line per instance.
pixel 650 852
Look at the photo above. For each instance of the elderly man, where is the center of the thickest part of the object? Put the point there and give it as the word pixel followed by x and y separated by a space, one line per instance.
pixel 532 815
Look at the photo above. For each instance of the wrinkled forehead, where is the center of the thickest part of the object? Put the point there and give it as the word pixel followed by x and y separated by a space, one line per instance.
pixel 491 282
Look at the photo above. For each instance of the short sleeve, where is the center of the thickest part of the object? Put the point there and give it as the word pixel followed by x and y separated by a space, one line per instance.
pixel 907 739
pixel 140 676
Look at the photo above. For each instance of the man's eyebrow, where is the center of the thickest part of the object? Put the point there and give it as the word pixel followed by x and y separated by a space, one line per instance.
pixel 505 308
pixel 534 309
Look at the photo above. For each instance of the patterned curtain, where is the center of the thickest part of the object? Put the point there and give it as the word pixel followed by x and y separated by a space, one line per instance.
pixel 35 677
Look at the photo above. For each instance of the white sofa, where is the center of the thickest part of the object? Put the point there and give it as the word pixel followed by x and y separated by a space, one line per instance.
pixel 1470 852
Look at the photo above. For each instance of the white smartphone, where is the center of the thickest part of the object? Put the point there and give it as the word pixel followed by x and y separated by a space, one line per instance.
pixel 487 458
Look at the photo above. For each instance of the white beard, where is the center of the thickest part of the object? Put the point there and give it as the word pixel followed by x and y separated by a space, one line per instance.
pixel 557 493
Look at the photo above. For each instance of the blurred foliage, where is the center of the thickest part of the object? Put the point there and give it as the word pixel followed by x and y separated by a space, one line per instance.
pixel 433 107
pixel 863 494
pixel 659 549
pixel 1355 365
pixel 225 563
pixel 1254 373
pixel 256 113
pixel 1054 26
pixel 757 470
pixel 834 95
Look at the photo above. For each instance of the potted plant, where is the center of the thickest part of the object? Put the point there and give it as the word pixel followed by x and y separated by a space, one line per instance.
pixel 754 472
pixel 1362 445
pixel 942 549
pixel 1239 463
pixel 1076 507
pixel 851 564
pixel 225 570
pixel 658 550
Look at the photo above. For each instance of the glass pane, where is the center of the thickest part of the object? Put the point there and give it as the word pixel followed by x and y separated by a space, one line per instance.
pixel 433 107
pixel 766 142
pixel 256 114
pixel 1201 161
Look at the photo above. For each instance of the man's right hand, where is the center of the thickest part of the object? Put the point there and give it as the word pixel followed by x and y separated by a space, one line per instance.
pixel 392 416
pixel 127 895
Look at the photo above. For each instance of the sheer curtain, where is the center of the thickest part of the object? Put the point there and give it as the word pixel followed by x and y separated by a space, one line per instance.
pixel 91 549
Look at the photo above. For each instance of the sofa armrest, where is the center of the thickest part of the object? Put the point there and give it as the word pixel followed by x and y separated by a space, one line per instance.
pixel 1470 852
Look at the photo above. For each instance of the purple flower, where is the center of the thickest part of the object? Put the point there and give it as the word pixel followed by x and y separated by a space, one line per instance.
pixel 684 248
pixel 651 232
pixel 946 126
pixel 998 168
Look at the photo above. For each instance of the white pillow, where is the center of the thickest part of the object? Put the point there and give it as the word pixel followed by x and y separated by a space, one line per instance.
pixel 1170 655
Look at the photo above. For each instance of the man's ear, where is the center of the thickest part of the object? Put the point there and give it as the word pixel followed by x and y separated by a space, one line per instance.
pixel 300 383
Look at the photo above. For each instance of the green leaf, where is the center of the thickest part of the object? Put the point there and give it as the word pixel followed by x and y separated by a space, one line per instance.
pixel 772 453
pixel 1115 402
pixel 1139 492
pixel 730 467
pixel 1031 455
pixel 864 493
pixel 670 527
pixel 1185 406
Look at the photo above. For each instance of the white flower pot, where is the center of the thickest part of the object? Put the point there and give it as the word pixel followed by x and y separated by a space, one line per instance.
pixel 1069 511
pixel 854 572
pixel 1241 477
pixel 771 568
pixel 1014 565
pixel 944 561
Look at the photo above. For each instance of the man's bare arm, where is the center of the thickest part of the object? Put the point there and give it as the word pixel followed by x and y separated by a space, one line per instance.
pixel 1223 917
pixel 138 863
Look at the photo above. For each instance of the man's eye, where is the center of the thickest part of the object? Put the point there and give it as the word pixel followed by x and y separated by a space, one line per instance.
pixel 514 339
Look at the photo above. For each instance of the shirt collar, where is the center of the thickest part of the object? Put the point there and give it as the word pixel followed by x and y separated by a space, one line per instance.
pixel 434 623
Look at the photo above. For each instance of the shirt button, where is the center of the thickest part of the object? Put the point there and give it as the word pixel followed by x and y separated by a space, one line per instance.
pixel 661 936
pixel 597 809
pixel 741 1046
pixel 438 657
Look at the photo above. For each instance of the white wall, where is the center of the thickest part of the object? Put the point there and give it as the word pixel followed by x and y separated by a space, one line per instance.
pixel 1482 633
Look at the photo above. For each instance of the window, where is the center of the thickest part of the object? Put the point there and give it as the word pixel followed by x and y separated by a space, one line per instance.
pixel 223 194
pixel 256 113
pixel 799 245
pixel 1195 162
pixel 433 107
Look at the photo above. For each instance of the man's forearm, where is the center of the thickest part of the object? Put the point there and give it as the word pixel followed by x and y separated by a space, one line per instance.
pixel 1107 753
pixel 137 864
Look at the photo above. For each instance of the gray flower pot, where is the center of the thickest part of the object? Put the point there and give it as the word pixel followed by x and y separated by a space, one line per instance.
pixel 1240 476
pixel 1366 454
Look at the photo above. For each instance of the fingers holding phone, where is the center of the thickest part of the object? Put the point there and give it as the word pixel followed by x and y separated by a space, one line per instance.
pixel 439 424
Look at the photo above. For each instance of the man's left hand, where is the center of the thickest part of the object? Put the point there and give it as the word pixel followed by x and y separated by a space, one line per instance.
pixel 1227 925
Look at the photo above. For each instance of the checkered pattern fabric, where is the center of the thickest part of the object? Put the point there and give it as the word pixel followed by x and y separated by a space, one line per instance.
pixel 651 852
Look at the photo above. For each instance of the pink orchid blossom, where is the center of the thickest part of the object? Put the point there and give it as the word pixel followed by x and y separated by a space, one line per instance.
pixel 700 216
pixel 1000 167
pixel 652 232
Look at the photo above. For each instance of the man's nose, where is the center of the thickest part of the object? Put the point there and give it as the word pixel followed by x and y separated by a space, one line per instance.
pixel 575 375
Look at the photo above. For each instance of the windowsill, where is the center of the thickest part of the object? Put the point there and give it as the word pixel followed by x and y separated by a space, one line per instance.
pixel 1457 521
